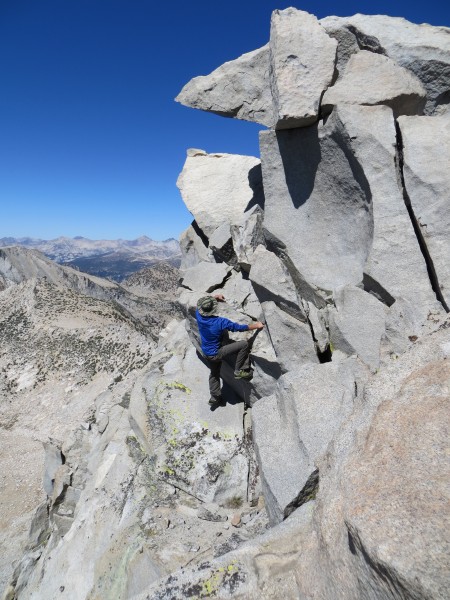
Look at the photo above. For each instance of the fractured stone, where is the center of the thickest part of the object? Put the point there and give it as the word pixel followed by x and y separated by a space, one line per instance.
pixel 423 49
pixel 205 277
pixel 372 79
pixel 395 267
pixel 293 427
pixel 272 281
pixel 291 339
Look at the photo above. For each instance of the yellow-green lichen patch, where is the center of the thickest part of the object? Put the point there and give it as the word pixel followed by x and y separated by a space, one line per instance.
pixel 211 585
pixel 176 385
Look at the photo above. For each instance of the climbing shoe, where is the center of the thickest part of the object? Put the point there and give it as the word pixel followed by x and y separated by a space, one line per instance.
pixel 244 374
pixel 216 401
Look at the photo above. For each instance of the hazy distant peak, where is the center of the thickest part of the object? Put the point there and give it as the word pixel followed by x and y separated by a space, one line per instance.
pixel 114 259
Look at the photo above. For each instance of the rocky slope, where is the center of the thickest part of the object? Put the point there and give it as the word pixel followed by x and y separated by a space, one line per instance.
pixel 162 278
pixel 337 240
pixel 66 339
pixel 114 259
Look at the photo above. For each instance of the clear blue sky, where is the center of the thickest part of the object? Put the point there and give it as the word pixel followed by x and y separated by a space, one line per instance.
pixel 91 141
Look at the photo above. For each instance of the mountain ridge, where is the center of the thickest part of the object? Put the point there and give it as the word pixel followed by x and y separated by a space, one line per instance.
pixel 112 259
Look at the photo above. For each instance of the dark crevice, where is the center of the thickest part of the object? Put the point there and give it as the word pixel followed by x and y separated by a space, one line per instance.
pixel 366 42
pixel 308 492
pixel 325 355
pixel 181 284
pixel 220 285
pixel 200 233
pixel 351 544
pixel 226 254
pixel 375 288
pixel 265 295
pixel 417 230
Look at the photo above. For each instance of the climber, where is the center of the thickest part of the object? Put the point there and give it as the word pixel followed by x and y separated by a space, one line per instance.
pixel 211 328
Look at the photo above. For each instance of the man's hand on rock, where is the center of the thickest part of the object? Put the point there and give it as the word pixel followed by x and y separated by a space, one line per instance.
pixel 256 325
pixel 219 297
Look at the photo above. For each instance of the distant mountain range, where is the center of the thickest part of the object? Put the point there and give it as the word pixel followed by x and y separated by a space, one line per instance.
pixel 114 259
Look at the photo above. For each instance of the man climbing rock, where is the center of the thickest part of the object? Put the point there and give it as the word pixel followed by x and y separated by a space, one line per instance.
pixel 215 346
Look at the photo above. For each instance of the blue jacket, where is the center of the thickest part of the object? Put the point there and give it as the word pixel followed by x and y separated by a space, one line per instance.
pixel 211 329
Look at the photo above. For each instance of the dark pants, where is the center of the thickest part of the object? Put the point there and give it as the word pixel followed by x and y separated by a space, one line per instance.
pixel 215 363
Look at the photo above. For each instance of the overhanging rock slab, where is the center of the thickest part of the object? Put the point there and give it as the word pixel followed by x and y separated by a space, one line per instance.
pixel 239 88
pixel 218 188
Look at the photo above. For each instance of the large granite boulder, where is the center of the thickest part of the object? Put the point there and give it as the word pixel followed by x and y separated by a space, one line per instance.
pixel 291 339
pixel 423 49
pixel 293 427
pixel 426 154
pixel 218 188
pixel 302 66
pixel 272 282
pixel 357 325
pixel 318 202
pixel 395 269
pixel 193 248
pixel 371 79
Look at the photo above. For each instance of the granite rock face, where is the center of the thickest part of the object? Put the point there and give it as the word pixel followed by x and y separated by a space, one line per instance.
pixel 395 267
pixel 358 324
pixel 318 202
pixel 294 427
pixel 426 154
